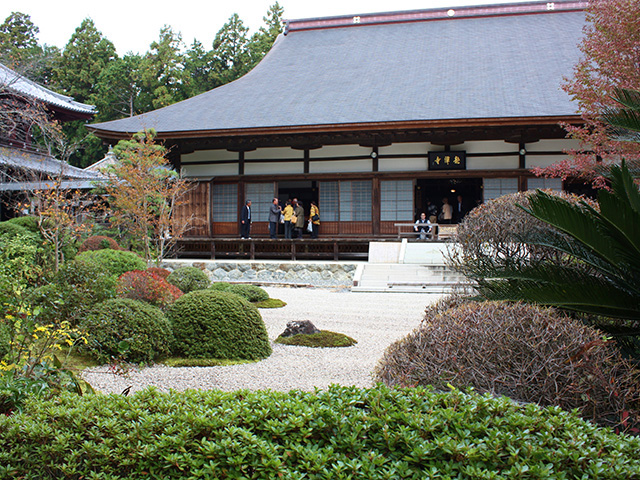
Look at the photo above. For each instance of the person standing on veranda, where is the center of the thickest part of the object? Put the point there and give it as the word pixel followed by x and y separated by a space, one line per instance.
pixel 245 220
pixel 274 218
pixel 314 216
pixel 288 213
pixel 298 211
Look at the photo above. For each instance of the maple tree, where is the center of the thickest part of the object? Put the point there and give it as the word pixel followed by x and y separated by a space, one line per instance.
pixel 610 60
pixel 143 193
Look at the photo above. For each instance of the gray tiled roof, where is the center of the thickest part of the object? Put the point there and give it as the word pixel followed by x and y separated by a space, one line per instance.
pixel 20 84
pixel 40 163
pixel 459 68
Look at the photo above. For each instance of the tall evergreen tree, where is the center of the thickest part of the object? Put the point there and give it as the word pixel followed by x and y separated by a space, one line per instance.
pixel 230 50
pixel 18 40
pixel 199 69
pixel 162 71
pixel 118 89
pixel 84 58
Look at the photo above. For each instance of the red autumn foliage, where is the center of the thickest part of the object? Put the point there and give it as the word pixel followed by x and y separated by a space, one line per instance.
pixel 98 242
pixel 147 287
pixel 161 272
pixel 610 59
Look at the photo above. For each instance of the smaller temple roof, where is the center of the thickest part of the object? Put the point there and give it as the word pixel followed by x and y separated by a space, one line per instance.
pixel 34 164
pixel 22 85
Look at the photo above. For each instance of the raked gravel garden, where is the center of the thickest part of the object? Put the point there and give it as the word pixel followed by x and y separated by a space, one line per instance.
pixel 375 320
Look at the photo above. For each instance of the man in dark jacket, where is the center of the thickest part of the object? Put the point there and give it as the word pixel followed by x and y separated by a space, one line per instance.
pixel 245 220
pixel 274 218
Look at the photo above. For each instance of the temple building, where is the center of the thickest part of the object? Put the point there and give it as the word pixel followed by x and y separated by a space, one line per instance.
pixel 374 115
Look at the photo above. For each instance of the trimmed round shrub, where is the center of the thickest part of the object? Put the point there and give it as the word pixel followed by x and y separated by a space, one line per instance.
pixel 250 292
pixel 115 262
pixel 127 329
pixel 189 279
pixel 75 289
pixel 147 287
pixel 98 242
pixel 210 324
pixel 498 233
pixel 12 229
pixel 220 286
pixel 527 353
pixel 28 222
pixel 161 272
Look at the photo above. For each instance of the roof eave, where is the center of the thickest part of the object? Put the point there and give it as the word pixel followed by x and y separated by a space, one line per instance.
pixel 347 127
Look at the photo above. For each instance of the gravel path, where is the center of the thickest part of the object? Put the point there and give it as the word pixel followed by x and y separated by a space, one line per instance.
pixel 375 320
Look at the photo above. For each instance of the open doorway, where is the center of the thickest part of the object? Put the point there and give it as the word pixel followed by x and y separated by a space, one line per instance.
pixel 433 191
pixel 305 191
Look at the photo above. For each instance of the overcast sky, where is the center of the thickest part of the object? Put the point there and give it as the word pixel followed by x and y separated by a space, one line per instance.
pixel 133 25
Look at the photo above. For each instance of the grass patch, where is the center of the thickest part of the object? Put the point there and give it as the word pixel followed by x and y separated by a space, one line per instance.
pixel 270 303
pixel 324 339
pixel 201 362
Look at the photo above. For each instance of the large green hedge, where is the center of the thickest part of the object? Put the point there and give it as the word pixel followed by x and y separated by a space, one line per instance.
pixel 212 324
pixel 340 433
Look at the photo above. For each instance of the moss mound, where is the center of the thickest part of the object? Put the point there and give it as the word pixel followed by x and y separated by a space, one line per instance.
pixel 270 303
pixel 189 279
pixel 115 262
pixel 211 324
pixel 220 286
pixel 128 329
pixel 324 339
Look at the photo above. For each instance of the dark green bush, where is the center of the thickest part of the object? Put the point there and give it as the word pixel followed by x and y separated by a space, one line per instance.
pixel 324 339
pixel 127 329
pixel 220 286
pixel 28 222
pixel 527 353
pixel 115 262
pixel 250 292
pixel 189 279
pixel 75 289
pixel 5 339
pixel 210 324
pixel 12 229
pixel 343 432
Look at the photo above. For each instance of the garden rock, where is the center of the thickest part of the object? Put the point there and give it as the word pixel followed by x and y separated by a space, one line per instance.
pixel 300 327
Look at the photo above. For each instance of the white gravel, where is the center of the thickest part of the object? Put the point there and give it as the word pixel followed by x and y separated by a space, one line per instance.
pixel 375 320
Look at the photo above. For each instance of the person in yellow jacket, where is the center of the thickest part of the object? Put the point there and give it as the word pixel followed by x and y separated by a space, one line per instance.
pixel 314 216
pixel 288 226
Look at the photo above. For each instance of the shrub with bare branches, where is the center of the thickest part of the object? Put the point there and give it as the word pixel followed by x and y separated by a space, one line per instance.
pixel 527 353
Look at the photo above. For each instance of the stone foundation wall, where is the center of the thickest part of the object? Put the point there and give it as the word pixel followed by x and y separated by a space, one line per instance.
pixel 319 274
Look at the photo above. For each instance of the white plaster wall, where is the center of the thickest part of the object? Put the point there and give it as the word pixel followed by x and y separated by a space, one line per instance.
pixel 405 149
pixel 341 166
pixel 493 163
pixel 402 164
pixel 274 153
pixel 209 171
pixel 340 151
pixel 543 160
pixel 557 145
pixel 486 146
pixel 209 156
pixel 273 168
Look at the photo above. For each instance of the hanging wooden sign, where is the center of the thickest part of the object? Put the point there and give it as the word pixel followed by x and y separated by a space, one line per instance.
pixel 448 160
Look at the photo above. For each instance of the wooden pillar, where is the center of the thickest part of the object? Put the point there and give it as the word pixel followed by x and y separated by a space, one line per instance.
pixel 240 163
pixel 375 205
pixel 306 160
